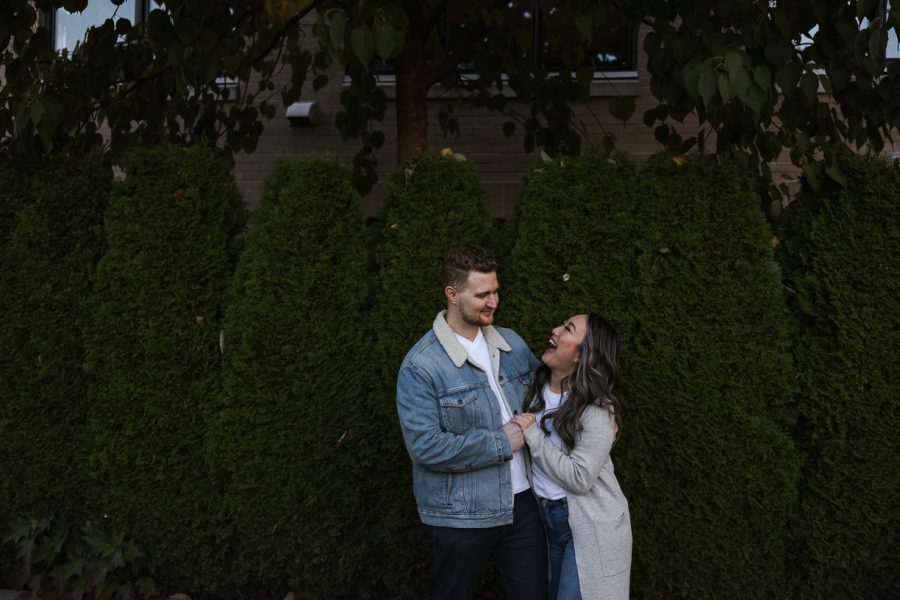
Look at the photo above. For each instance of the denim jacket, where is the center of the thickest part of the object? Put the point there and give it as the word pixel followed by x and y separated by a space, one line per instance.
pixel 451 424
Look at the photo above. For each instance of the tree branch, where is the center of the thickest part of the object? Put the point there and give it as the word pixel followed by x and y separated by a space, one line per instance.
pixel 292 22
pixel 627 10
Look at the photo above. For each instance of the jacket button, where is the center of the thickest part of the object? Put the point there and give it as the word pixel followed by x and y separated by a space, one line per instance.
pixel 459 401
pixel 502 378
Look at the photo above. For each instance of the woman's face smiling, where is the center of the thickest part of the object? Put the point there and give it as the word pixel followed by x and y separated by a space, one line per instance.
pixel 564 349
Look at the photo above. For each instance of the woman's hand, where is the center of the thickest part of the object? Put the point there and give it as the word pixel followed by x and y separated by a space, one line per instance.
pixel 524 420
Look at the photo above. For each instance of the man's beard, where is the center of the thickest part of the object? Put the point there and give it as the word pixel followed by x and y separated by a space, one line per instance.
pixel 477 319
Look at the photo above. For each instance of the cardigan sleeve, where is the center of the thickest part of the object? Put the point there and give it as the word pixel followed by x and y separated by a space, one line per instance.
pixel 578 470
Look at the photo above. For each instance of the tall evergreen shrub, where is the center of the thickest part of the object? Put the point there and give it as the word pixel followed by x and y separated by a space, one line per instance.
pixel 680 260
pixel 173 228
pixel 294 413
pixel 15 190
pixel 843 273
pixel 430 207
pixel 53 211
pixel 568 229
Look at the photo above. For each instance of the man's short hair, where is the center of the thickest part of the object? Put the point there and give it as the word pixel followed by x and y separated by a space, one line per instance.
pixel 462 259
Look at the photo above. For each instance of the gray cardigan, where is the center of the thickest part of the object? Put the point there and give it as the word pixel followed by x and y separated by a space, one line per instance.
pixel 598 510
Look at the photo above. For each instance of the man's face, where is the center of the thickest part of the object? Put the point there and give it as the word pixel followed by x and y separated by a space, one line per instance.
pixel 478 298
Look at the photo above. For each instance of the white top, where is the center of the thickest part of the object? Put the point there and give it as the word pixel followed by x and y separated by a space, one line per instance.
pixel 544 485
pixel 481 356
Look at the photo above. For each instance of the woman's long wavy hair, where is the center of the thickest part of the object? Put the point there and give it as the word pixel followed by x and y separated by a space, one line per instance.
pixel 593 381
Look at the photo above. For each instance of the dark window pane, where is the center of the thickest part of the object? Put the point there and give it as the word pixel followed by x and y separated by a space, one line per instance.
pixel 612 48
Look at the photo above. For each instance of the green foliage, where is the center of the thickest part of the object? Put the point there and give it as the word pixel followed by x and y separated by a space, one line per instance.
pixel 679 258
pixel 739 67
pixel 57 562
pixel 841 267
pixel 15 175
pixel 561 227
pixel 430 43
pixel 429 207
pixel 293 420
pixel 167 76
pixel 743 67
pixel 53 242
pixel 153 354
pixel 292 475
pixel 709 469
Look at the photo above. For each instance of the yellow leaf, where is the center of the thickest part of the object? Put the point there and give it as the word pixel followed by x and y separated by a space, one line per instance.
pixel 680 160
pixel 446 152
pixel 280 11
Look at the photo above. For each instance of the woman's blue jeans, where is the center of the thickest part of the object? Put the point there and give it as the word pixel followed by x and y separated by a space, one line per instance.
pixel 561 550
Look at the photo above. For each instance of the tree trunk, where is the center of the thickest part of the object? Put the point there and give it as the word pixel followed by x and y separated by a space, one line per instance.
pixel 412 73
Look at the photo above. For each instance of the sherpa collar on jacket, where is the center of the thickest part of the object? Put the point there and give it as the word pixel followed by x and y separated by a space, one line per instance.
pixel 454 349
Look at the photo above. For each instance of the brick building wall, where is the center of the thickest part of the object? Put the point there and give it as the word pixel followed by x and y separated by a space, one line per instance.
pixel 500 161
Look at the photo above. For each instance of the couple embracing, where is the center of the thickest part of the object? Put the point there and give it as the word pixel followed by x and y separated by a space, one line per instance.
pixel 510 455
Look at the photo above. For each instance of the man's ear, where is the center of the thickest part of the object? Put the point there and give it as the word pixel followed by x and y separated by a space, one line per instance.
pixel 450 292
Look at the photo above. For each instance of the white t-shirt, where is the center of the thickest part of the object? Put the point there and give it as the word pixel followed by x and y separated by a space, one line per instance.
pixel 480 354
pixel 544 485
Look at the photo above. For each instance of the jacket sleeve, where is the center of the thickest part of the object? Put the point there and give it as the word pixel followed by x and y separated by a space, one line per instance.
pixel 579 470
pixel 432 447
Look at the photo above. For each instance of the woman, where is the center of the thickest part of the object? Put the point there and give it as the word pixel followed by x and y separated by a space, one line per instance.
pixel 571 424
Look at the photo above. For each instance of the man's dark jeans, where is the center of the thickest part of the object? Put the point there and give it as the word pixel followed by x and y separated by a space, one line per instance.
pixel 518 553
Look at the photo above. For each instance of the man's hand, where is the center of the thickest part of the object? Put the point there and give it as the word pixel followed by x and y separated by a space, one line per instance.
pixel 514 434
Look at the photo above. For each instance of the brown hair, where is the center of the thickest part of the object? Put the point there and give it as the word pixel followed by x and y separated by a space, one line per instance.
pixel 462 259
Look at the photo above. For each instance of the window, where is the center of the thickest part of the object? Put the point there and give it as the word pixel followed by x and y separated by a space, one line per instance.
pixel 612 47
pixel 70 28
pixel 893 45
pixel 892 51
pixel 612 51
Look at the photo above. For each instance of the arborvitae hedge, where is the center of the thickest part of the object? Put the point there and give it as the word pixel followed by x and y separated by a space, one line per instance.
pixel 173 228
pixel 294 412
pixel 680 260
pixel 429 208
pixel 842 270
pixel 568 227
pixel 54 239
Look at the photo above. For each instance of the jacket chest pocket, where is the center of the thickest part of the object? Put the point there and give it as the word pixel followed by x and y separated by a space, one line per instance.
pixel 459 410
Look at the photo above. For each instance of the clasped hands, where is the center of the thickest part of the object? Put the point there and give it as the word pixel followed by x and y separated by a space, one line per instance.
pixel 515 430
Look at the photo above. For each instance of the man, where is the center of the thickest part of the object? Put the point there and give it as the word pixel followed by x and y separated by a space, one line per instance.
pixel 457 391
